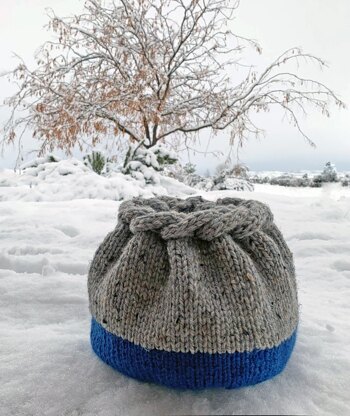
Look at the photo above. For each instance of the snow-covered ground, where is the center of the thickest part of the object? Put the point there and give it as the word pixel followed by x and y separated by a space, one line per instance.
pixel 47 367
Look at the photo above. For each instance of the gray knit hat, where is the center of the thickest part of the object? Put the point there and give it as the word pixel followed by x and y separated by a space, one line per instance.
pixel 194 294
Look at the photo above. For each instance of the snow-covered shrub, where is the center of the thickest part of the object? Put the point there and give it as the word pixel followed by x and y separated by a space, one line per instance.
pixel 165 157
pixel 53 169
pixel 34 163
pixel 233 184
pixel 329 174
pixel 284 180
pixel 259 179
pixel 235 178
pixel 206 184
pixel 142 163
pixel 187 175
pixel 189 168
pixel 240 171
pixel 156 157
pixel 291 180
pixel 180 172
pixel 199 182
pixel 184 173
pixel 345 181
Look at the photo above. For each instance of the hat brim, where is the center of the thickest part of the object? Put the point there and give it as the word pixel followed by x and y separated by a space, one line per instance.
pixel 187 370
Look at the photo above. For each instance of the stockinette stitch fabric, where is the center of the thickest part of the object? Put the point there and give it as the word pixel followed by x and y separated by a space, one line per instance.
pixel 194 294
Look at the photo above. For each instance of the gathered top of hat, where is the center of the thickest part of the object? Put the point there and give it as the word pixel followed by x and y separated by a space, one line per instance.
pixel 194 217
pixel 194 293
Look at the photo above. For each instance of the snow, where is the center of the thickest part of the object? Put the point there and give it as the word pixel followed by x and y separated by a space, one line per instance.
pixel 48 235
pixel 67 180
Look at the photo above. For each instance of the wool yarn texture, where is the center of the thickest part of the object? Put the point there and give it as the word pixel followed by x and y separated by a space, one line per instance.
pixel 194 294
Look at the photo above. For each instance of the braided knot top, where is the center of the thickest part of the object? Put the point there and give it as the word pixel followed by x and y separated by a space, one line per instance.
pixel 176 218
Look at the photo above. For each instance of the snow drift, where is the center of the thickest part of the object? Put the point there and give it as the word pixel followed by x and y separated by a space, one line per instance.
pixel 45 179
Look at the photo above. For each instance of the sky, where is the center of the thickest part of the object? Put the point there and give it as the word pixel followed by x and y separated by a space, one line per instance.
pixel 318 26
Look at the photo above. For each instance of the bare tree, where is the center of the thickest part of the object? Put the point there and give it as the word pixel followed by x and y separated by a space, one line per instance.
pixel 153 70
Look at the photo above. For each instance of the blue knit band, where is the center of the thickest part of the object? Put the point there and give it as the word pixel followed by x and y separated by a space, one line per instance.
pixel 187 370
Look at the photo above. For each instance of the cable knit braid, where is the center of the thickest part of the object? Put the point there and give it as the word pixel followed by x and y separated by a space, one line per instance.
pixel 173 218
pixel 194 293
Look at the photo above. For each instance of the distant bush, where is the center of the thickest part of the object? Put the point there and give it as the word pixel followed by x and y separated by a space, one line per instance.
pixel 289 180
pixel 346 180
pixel 328 175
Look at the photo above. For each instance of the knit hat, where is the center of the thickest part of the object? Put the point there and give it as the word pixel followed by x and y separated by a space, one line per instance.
pixel 194 294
